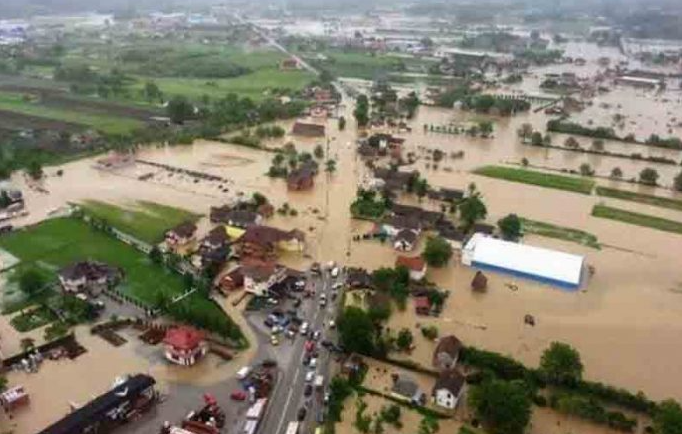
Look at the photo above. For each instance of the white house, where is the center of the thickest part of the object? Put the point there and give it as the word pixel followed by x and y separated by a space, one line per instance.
pixel 259 278
pixel 405 240
pixel 448 389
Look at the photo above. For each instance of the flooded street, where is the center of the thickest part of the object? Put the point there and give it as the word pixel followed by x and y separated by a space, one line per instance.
pixel 625 322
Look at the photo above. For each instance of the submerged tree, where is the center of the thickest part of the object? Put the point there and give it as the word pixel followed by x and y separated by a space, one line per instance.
pixel 560 364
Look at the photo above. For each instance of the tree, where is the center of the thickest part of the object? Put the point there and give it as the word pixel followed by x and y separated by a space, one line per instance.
pixel 361 111
pixel 405 338
pixel 152 92
pixel 525 131
pixel 677 182
pixel 485 128
pixel 155 255
pixel 472 208
pixel 536 139
pixel 342 123
pixel 598 145
pixel 259 199
pixel 31 281
pixel 668 418
pixel 437 252
pixel 5 200
pixel 504 407
pixel 356 331
pixel 510 227
pixel 35 170
pixel 586 170
pixel 616 173
pixel 330 166
pixel 428 425
pixel 430 332
pixel 571 143
pixel 525 162
pixel 180 109
pixel 319 152
pixel 391 415
pixel 27 344
pixel 421 188
pixel 560 364
pixel 648 176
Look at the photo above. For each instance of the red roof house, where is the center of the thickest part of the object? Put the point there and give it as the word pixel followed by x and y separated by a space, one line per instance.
pixel 422 305
pixel 184 345
pixel 415 265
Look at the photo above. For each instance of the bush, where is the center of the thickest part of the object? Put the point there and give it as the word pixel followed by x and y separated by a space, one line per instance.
pixel 430 332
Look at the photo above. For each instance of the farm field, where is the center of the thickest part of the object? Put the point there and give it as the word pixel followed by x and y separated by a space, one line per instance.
pixel 635 218
pixel 58 242
pixel 559 182
pixel 358 65
pixel 647 199
pixel 146 221
pixel 559 232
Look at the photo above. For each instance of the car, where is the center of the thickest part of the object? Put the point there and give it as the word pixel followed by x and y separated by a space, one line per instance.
pixel 300 416
pixel 297 302
pixel 269 322
pixel 243 372
pixel 332 324
pixel 269 363
pixel 327 343
pixel 331 265
pixel 306 360
pixel 313 363
pixel 238 395
pixel 310 377
pixel 315 267
pixel 327 396
pixel 290 334
pixel 274 340
pixel 337 285
pixel 300 284
pixel 304 328
pixel 335 272
pixel 308 390
pixel 276 329
pixel 317 335
pixel 272 301
pixel 323 300
pixel 334 295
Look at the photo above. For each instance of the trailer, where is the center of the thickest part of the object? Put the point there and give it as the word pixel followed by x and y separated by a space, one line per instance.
pixel 292 428
pixel 319 381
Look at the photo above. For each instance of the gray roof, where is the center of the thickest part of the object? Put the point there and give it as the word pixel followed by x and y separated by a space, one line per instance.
pixel 405 386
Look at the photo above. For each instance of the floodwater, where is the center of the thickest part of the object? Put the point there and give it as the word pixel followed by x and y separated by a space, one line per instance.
pixel 625 321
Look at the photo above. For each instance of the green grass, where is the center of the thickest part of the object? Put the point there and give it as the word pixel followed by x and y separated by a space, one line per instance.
pixel 32 319
pixel 106 124
pixel 635 218
pixel 559 182
pixel 560 232
pixel 59 242
pixel 252 85
pixel 146 221
pixel 357 64
pixel 647 199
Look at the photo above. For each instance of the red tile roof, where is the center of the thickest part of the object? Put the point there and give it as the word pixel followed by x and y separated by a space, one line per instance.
pixel 183 337
pixel 415 263
pixel 422 303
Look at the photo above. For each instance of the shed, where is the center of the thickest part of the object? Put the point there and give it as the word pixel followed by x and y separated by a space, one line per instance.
pixel 479 282
pixel 422 305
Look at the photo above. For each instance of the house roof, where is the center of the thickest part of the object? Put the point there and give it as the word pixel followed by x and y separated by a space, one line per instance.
pixel 265 235
pixel 241 217
pixel 449 345
pixel 183 337
pixel 425 217
pixel 483 228
pixel 96 409
pixel 358 278
pixel 308 129
pixel 406 236
pixel 90 270
pixel 479 282
pixel 405 386
pixel 422 303
pixel 450 232
pixel 412 263
pixel 259 270
pixel 403 222
pixel 451 380
pixel 184 230
pixel 300 175
pixel 217 236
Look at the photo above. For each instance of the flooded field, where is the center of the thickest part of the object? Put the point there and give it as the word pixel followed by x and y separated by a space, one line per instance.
pixel 626 317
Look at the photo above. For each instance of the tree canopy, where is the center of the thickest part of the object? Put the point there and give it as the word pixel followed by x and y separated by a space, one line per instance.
pixel 504 407
pixel 668 418
pixel 31 281
pixel 510 226
pixel 437 252
pixel 561 364
pixel 180 110
pixel 472 208
pixel 356 331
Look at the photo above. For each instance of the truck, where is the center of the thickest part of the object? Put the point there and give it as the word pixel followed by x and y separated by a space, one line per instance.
pixel 319 381
pixel 292 428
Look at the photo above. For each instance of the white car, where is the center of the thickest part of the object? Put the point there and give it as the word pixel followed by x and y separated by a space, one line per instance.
pixel 335 272
pixel 332 323
pixel 304 328
pixel 313 363
pixel 243 372
pixel 337 285
pixel 323 300
pixel 310 377
pixel 317 335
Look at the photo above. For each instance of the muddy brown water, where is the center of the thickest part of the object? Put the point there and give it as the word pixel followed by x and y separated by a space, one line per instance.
pixel 625 321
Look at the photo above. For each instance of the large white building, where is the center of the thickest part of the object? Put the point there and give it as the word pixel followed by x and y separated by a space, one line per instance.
pixel 548 266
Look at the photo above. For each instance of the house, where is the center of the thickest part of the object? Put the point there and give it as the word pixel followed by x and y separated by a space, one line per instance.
pixel 448 389
pixel 358 278
pixel 240 218
pixel 89 277
pixel 115 161
pixel 395 180
pixel 367 151
pixel 448 195
pixel 427 219
pixel 319 112
pixel 352 365
pixel 215 239
pixel 405 240
pixel 232 281
pixel 290 64
pixel 422 305
pixel 394 224
pixel 416 266
pixel 452 235
pixel 479 282
pixel 184 345
pixel 447 352
pixel 406 389
pixel 264 241
pixel 126 401
pixel 300 179
pixel 308 130
pixel 260 276
pixel 181 235
pixel 483 228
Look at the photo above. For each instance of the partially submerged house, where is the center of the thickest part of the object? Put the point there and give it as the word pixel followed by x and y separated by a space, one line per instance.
pixel 231 281
pixel 213 250
pixel 89 277
pixel 394 224
pixel 395 180
pixel 451 234
pixel 422 305
pixel 123 403
pixel 427 219
pixel 448 389
pixel 264 241
pixel 358 278
pixel 405 240
pixel 480 282
pixel 184 345
pixel 259 277
pixel 302 178
pixel 416 266
pixel 181 235
pixel 446 354
pixel 306 129
pixel 449 195
pixel 234 217
pixel 406 389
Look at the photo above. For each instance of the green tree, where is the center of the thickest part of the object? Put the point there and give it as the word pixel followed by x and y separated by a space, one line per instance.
pixel 648 176
pixel 525 162
pixel 421 188
pixel 180 109
pixel 31 281
pixel 668 418
pixel 152 92
pixel 5 200
pixel 391 414
pixel 361 112
pixel 259 199
pixel 598 145
pixel 428 425
pixel 571 143
pixel 560 364
pixel 510 227
pixel 155 255
pixel 504 407
pixel 356 331
pixel 525 131
pixel 330 166
pixel 404 340
pixel 677 182
pixel 586 170
pixel 430 332
pixel 342 123
pixel 472 208
pixel 27 344
pixel 536 139
pixel 616 173
pixel 437 252
pixel 486 128
pixel 35 170
pixel 319 152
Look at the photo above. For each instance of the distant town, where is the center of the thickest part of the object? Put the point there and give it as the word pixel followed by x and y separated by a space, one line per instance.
pixel 315 218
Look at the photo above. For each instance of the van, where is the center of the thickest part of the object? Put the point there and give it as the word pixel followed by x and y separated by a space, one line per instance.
pixel 243 372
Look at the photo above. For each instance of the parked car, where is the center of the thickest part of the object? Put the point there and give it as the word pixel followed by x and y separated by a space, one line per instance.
pixel 269 322
pixel 269 363
pixel 327 396
pixel 309 346
pixel 274 340
pixel 332 324
pixel 306 360
pixel 304 328
pixel 243 372
pixel 297 302
pixel 327 343
pixel 335 272
pixel 313 363
pixel 315 267
pixel 308 390
pixel 337 285
pixel 323 300
pixel 301 414
pixel 310 377
pixel 317 335
pixel 238 395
